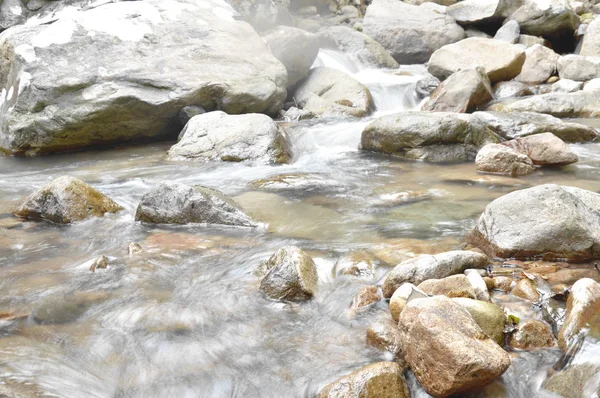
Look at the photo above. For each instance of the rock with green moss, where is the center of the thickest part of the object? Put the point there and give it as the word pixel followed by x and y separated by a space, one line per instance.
pixel 381 380
pixel 65 200
pixel 235 138
pixel 175 203
pixel 489 316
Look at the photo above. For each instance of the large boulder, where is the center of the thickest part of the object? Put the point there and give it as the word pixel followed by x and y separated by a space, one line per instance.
pixel 463 91
pixel 489 316
pixel 501 60
pixel 433 137
pixel 446 349
pixel 583 312
pixel 591 40
pixel 548 221
pixel 540 64
pixel 419 269
pixel 553 19
pixel 64 200
pixel 289 274
pixel 523 124
pixel 578 67
pixel 579 380
pixel 381 380
pixel 357 46
pixel 123 71
pixel 295 48
pixel 544 149
pixel 175 203
pixel 327 91
pixel 410 33
pixel 482 12
pixel 216 135
pixel 500 159
pixel 563 105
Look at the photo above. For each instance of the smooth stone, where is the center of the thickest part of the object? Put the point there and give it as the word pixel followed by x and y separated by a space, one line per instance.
pixel 462 92
pixel 489 316
pixel 540 64
pixel 544 149
pixel 381 380
pixel 532 334
pixel 503 160
pixel 583 311
pixel 385 335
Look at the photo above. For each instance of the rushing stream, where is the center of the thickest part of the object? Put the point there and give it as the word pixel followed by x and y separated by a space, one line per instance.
pixel 186 318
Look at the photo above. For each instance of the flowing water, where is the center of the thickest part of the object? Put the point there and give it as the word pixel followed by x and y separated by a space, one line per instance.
pixel 186 318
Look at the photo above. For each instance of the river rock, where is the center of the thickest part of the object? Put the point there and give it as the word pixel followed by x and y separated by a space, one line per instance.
pixel 481 12
pixel 500 159
pixel 566 86
pixel 385 335
pixel 99 263
pixel 188 112
pixel 451 286
pixel 511 89
pixel 563 105
pixel 59 309
pixel 532 334
pixel 501 60
pixel 357 46
pixel 410 33
pixel 509 32
pixel 432 137
pixel 583 311
pixel 426 85
pixel 295 48
pixel 65 200
pixel 579 380
pixel 548 221
pixel 523 124
pixel 479 284
pixel 419 269
pixel 591 40
pixel 489 316
pixel 289 274
pixel 175 203
pixel 526 289
pixel 530 41
pixel 552 19
pixel 578 67
pixel 503 283
pixel 544 149
pixel 398 301
pixel 367 296
pixel 462 92
pixel 540 64
pixel 17 12
pixel 219 136
pixel 327 91
pixel 446 349
pixel 137 64
pixel 381 380
pixel 592 85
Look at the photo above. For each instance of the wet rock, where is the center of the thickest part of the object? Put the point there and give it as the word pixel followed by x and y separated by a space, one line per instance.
pixel 540 64
pixel 130 83
pixel 188 112
pixel 410 33
pixel 583 311
pixel 234 138
pixel 357 263
pixel 295 48
pixel 385 335
pixel 65 200
pixel 451 286
pixel 381 379
pixel 481 12
pixel 99 263
pixel 293 181
pixel 501 60
pixel 577 381
pixel 544 149
pixel 551 19
pixel 564 105
pixel 500 159
pixel 432 137
pixel 175 203
pixel 438 266
pixel 289 274
pixel 401 296
pixel 549 222
pixel 327 91
pixel 134 248
pixel 463 91
pixel 503 283
pixel 489 316
pixel 532 334
pixel 359 47
pixel 578 67
pixel 526 289
pixel 591 40
pixel 294 114
pixel 478 283
pixel 367 296
pixel 511 89
pixel 426 85
pixel 522 124
pixel 509 32
pixel 446 349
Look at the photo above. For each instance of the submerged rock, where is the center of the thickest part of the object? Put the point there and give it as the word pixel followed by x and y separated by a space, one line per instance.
pixel 446 349
pixel 463 91
pixel 289 274
pixel 489 316
pixel 577 381
pixel 99 263
pixel 500 159
pixel 217 135
pixel 381 380
pixel 532 334
pixel 175 203
pixel 65 200
pixel 544 149
pixel 583 311
pixel 548 222
pixel 419 269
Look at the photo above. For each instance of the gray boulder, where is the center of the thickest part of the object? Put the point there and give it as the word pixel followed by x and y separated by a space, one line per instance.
pixel 509 32
pixel 501 60
pixel 552 19
pixel 295 48
pixel 463 91
pixel 583 312
pixel 289 274
pixel 419 269
pixel 511 89
pixel 563 105
pixel 327 91
pixel 426 85
pixel 137 64
pixel 540 64
pixel 591 40
pixel 188 112
pixel 175 203
pixel 500 159
pixel 358 46
pixel 433 137
pixel 549 222
pixel 410 33
pixel 544 149
pixel 578 67
pixel 217 135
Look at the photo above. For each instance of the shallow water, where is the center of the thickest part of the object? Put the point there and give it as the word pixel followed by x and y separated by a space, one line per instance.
pixel 186 317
